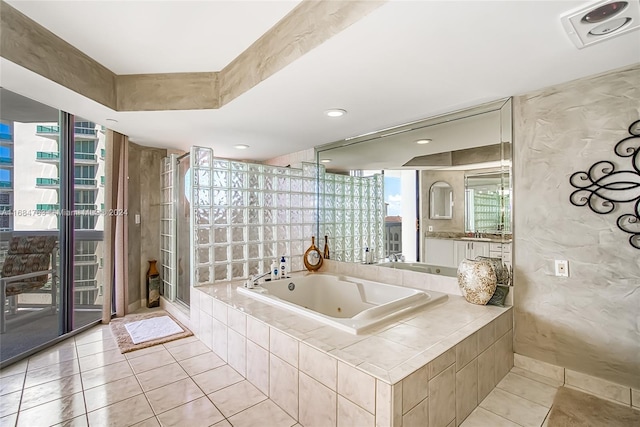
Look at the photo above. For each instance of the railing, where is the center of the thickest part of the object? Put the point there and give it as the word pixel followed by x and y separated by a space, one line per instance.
pixel 56 130
pixel 52 155
pixel 48 182
pixel 6 160
pixel 103 153
pixel 5 137
pixel 5 184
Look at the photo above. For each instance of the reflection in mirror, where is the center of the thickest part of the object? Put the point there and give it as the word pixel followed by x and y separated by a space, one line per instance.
pixel 441 200
pixel 451 149
pixel 488 202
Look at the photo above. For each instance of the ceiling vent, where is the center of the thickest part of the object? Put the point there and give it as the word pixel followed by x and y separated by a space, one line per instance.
pixel 601 20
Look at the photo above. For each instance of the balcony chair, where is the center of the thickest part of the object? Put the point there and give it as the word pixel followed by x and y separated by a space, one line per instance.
pixel 26 269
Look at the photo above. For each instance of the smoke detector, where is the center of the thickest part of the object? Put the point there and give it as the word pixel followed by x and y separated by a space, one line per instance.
pixel 601 20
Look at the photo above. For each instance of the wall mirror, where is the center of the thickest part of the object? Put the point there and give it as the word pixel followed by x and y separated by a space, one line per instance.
pixel 455 148
pixel 440 200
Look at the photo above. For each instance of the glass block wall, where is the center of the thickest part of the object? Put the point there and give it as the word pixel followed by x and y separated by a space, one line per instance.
pixel 246 215
pixel 168 243
pixel 352 215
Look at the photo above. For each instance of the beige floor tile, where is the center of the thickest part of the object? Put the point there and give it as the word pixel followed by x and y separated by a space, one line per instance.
pixel 80 421
pixel 188 350
pixel 151 361
pixel 161 376
pixel 14 369
pixel 236 398
pixel 10 420
pixel 52 372
pixel 223 423
pixel 536 377
pixel 173 395
pixel 98 333
pixel 143 351
pixel 105 374
pixel 99 360
pixel 149 422
pixel 52 356
pixel 264 413
pixel 216 379
pixel 9 403
pixel 112 392
pixel 53 412
pixel 96 347
pixel 181 341
pixel 514 408
pixel 201 363
pixel 534 391
pixel 125 413
pixel 43 393
pixel 11 383
pixel 197 413
pixel 483 418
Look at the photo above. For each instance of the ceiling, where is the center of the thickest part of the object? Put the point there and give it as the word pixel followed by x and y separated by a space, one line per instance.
pixel 405 61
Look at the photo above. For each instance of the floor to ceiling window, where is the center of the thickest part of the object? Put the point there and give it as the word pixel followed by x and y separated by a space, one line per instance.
pixel 37 310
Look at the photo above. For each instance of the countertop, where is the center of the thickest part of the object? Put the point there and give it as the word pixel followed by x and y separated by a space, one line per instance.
pixel 453 235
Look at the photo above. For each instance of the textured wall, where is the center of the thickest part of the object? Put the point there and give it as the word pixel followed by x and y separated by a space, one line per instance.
pixel 144 199
pixel 590 321
pixel 456 180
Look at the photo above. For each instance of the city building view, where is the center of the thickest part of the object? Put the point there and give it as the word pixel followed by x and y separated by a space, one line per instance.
pixel 30 205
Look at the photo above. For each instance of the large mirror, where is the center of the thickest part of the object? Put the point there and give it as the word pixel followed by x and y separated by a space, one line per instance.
pixel 438 173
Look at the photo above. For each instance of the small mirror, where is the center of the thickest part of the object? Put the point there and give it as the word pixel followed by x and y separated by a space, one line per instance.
pixel 441 200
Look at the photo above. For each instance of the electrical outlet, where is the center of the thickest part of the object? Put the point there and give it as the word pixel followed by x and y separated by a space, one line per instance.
pixel 137 218
pixel 431 228
pixel 562 268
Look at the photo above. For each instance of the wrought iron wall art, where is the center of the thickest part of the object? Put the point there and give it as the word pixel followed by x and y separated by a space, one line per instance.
pixel 603 188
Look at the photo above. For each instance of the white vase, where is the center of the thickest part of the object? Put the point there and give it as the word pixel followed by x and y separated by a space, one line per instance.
pixel 477 280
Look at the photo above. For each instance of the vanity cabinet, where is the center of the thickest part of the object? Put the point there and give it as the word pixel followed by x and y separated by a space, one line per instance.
pixel 440 252
pixel 469 249
pixel 501 250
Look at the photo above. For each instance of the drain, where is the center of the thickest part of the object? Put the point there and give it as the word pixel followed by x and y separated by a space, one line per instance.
pixel 291 286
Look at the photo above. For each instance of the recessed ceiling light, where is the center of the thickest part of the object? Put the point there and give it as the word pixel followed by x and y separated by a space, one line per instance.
pixel 325 161
pixel 241 146
pixel 112 120
pixel 423 141
pixel 335 112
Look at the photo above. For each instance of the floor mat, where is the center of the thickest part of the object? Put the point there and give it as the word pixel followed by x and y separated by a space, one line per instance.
pixel 127 344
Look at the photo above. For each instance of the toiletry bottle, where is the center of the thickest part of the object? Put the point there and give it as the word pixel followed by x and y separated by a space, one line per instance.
pixel 326 247
pixel 274 270
pixel 367 256
pixel 283 268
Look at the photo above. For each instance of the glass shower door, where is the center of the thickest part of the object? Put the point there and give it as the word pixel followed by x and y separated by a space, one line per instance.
pixel 183 230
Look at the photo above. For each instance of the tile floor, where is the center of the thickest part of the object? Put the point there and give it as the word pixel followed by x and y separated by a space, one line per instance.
pixel 86 381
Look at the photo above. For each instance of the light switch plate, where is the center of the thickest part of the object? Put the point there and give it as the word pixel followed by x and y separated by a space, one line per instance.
pixel 562 268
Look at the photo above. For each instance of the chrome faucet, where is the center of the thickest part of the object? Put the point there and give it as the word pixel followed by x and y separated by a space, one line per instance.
pixel 252 281
pixel 396 257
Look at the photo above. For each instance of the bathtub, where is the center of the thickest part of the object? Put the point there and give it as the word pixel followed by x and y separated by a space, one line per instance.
pixel 422 268
pixel 347 303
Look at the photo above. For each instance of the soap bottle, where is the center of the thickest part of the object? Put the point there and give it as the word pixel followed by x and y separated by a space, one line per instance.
pixel 283 268
pixel 367 256
pixel 274 270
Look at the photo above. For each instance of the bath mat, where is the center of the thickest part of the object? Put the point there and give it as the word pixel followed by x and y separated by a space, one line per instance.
pixel 572 408
pixel 152 329
pixel 126 343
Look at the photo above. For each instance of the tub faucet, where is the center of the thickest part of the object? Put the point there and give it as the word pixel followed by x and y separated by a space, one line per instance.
pixel 252 281
pixel 396 257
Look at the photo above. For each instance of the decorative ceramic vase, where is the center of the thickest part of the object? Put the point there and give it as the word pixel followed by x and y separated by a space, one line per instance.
pixel 312 257
pixel 154 283
pixel 503 276
pixel 477 280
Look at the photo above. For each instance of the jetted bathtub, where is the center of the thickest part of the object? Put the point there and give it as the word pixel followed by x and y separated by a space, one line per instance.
pixel 347 303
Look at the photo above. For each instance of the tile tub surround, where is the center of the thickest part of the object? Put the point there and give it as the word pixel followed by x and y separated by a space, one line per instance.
pixel 430 368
